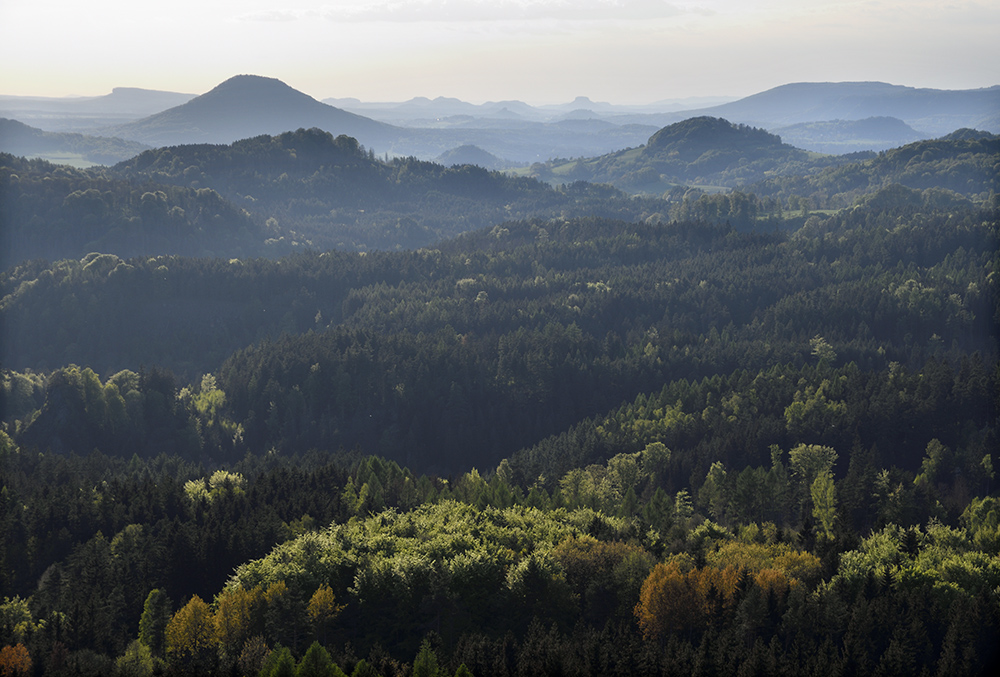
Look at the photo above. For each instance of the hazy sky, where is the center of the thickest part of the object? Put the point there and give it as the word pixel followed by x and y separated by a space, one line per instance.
pixel 540 51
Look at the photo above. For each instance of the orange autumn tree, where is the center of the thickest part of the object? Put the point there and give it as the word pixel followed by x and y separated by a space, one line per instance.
pixel 667 602
pixel 774 584
pixel 673 600
pixel 15 660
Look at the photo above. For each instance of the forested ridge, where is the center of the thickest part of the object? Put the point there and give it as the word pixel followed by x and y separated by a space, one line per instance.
pixel 705 434
pixel 270 196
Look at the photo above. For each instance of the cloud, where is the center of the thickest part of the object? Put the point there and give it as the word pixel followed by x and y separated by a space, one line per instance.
pixel 273 15
pixel 405 11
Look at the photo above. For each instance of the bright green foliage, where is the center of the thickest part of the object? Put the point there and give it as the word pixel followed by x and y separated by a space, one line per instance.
pixel 408 546
pixel 814 412
pixel 822 350
pixel 982 520
pixel 809 461
pixel 218 483
pixel 939 561
pixel 682 505
pixel 280 663
pixel 824 500
pixel 16 622
pixel 364 669
pixel 153 622
pixel 317 663
pixel 426 663
pixel 936 456
pixel 137 661
pixel 713 492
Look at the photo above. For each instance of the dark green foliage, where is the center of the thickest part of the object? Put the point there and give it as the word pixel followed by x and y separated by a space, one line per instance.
pixel 560 319
pixel 962 165
pixel 698 151
pixel 793 432
pixel 327 192
pixel 55 211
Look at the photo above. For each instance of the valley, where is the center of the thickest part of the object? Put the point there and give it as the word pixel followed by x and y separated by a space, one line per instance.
pixel 290 388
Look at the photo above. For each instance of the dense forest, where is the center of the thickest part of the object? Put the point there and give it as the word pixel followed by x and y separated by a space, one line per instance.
pixel 573 433
pixel 711 153
pixel 270 196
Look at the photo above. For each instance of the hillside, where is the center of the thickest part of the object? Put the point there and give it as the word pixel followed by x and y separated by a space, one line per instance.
pixel 418 352
pixel 933 111
pixel 55 211
pixel 245 106
pixel 963 162
pixel 693 442
pixel 699 151
pixel 838 137
pixel 268 196
pixel 471 155
pixel 327 192
pixel 283 407
pixel 78 150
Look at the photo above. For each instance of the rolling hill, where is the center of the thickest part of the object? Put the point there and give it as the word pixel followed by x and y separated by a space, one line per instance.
pixel 78 150
pixel 963 162
pixel 699 151
pixel 471 155
pixel 837 137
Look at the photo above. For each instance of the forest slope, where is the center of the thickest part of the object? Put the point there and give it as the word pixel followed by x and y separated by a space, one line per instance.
pixel 269 196
pixel 697 151
pixel 417 353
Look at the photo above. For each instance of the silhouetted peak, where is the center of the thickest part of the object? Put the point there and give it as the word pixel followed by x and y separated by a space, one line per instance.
pixel 249 81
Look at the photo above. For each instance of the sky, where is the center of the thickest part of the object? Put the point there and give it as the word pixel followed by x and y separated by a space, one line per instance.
pixel 538 51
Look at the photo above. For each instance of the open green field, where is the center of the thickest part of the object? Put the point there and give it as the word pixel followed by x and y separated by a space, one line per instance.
pixel 72 159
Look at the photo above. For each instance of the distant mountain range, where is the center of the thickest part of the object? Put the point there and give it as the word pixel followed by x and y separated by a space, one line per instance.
pixel 824 117
pixel 61 114
pixel 933 111
pixel 423 112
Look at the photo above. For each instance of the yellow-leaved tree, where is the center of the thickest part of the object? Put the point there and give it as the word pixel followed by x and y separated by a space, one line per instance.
pixel 191 638
pixel 323 609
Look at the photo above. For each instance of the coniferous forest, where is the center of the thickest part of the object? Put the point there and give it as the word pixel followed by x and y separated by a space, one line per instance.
pixel 284 407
